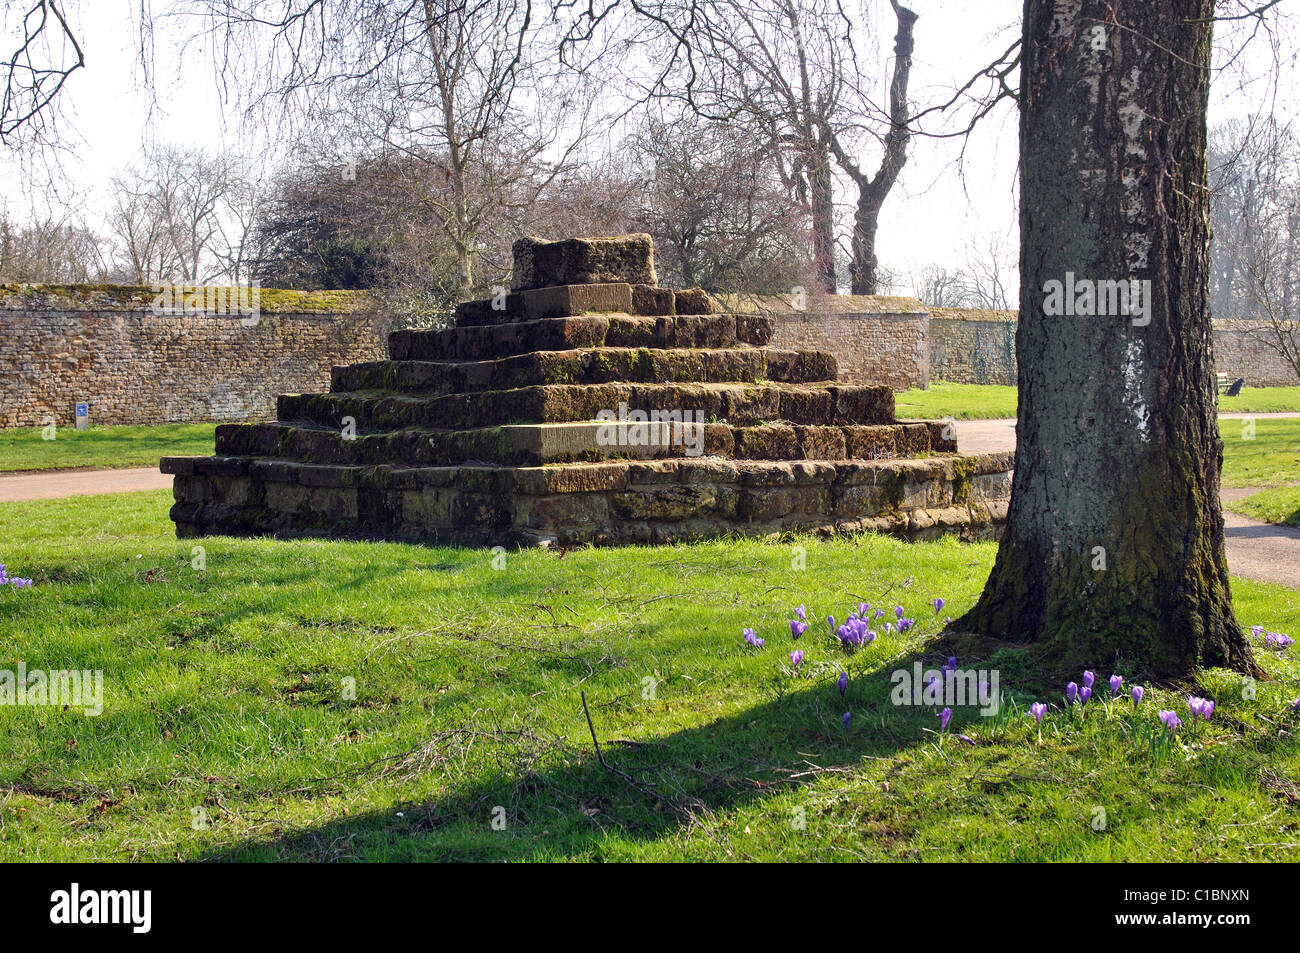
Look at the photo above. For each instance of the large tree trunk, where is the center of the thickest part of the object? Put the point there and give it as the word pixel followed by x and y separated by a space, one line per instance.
pixel 1118 452
pixel 821 198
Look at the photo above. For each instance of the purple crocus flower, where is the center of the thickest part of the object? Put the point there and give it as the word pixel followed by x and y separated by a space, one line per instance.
pixel 878 613
pixel 1295 706
pixel 1038 710
pixel 1138 692
pixel 863 608
pixel 945 716
pixel 1088 679
pixel 830 621
pixel 898 612
pixel 801 613
pixel 1278 640
pixel 1085 694
pixel 798 628
pixel 753 639
pixel 796 657
pixel 938 604
pixel 1170 720
pixel 951 664
pixel 843 683
pixel 1201 708
pixel 1256 630
pixel 1071 693
pixel 1116 683
pixel 847 717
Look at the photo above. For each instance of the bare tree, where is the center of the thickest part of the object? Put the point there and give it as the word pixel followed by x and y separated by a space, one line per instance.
pixel 181 215
pixel 1255 215
pixel 713 200
pixel 48 52
pixel 437 80
pixel 51 250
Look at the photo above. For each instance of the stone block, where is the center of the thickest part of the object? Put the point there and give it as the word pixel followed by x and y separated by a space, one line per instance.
pixel 577 261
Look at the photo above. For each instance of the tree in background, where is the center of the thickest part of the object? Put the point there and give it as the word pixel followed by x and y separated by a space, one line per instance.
pixel 713 199
pixel 1255 216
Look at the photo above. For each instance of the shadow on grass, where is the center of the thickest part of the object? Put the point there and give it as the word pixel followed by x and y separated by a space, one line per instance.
pixel 560 802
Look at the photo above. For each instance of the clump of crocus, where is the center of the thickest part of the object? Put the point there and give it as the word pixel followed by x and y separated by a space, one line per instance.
pixel 843 683
pixel 797 628
pixel 938 604
pixel 1138 692
pixel 905 624
pixel 1170 720
pixel 752 639
pixel 16 581
pixel 1116 683
pixel 1038 710
pixel 1276 640
pixel 795 658
pixel 1202 708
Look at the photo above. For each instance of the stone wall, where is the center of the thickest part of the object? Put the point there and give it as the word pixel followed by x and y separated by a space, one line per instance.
pixel 106 347
pixel 1240 352
pixel 975 346
pixel 875 339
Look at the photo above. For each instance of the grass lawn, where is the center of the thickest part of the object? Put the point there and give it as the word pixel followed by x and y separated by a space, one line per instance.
pixel 980 401
pixel 23 448
pixel 326 700
pixel 1270 458
pixel 1278 505
pixel 1261 400
pixel 959 401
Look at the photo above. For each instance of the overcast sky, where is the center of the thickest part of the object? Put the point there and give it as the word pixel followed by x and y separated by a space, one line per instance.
pixel 936 211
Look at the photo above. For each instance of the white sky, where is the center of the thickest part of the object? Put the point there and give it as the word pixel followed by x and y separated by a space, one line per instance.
pixel 932 216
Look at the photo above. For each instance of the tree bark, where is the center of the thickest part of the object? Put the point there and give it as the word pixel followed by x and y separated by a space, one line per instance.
pixel 1118 451
pixel 821 199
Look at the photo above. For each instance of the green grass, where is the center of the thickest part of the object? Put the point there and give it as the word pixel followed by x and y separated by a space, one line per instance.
pixel 1268 455
pixel 1261 400
pixel 1278 505
pixel 959 401
pixel 982 401
pixel 228 732
pixel 24 448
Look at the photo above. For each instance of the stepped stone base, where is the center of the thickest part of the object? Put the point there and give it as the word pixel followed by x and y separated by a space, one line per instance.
pixel 588 406
pixel 619 502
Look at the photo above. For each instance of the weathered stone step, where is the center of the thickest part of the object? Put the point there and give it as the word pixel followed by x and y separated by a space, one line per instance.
pixel 599 503
pixel 736 404
pixel 486 342
pixel 603 365
pixel 540 444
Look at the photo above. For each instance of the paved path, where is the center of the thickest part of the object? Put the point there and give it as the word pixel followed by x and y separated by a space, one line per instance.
pixel 1255 549
pixel 61 483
